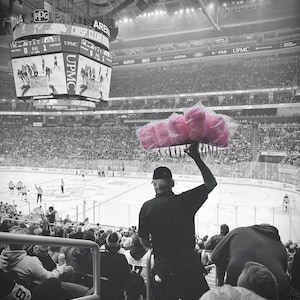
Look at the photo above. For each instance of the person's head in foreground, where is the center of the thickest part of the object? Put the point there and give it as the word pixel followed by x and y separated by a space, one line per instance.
pixel 259 279
pixel 256 282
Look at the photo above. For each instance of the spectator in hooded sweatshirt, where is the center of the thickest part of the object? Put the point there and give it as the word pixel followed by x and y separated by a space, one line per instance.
pixel 257 243
pixel 30 270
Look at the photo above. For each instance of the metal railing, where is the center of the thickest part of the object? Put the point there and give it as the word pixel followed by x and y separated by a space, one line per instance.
pixel 9 238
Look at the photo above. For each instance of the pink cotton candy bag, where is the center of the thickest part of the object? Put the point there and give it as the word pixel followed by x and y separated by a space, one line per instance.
pixel 198 124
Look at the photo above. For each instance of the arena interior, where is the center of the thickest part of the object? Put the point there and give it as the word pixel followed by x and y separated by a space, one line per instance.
pixel 70 126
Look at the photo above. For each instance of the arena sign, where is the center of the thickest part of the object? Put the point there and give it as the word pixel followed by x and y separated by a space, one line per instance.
pixel 41 16
pixel 101 27
pixel 208 53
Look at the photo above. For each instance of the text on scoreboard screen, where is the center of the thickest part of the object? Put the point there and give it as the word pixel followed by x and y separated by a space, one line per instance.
pixel 24 30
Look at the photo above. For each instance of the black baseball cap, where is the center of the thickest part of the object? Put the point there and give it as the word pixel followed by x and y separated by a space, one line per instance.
pixel 162 173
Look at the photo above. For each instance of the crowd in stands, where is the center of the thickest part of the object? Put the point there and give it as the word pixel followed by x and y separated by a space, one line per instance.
pixel 278 138
pixel 123 261
pixel 81 144
pixel 173 79
pixel 243 74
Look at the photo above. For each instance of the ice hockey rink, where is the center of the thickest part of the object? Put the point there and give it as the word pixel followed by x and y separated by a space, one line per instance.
pixel 116 201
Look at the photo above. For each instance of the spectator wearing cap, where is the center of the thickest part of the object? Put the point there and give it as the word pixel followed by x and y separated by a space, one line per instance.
pixel 259 279
pixel 256 282
pixel 114 265
pixel 178 272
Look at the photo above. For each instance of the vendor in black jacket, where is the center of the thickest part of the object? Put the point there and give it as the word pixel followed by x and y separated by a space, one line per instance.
pixel 166 223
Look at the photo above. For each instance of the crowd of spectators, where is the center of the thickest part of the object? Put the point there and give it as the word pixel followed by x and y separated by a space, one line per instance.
pixel 88 147
pixel 278 138
pixel 123 259
pixel 108 143
pixel 239 74
pixel 206 76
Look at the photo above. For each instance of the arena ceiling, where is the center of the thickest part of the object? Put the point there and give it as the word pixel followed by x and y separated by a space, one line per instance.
pixel 117 8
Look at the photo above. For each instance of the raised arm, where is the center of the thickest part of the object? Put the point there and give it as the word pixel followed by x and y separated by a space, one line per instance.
pixel 208 177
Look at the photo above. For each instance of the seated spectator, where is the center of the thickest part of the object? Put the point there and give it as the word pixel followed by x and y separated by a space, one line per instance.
pixel 114 265
pixel 9 288
pixel 30 270
pixel 81 259
pixel 257 243
pixel 42 252
pixel 259 279
pixel 137 258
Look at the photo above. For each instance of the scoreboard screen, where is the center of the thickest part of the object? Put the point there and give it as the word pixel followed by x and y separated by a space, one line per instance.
pixel 48 44
pixel 93 79
pixel 39 75
pixel 61 65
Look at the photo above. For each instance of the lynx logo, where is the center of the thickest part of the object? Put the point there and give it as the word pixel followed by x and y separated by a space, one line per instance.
pixel 41 16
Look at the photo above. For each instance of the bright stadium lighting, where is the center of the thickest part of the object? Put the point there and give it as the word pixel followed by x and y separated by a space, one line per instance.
pixel 125 20
pixel 157 12
pixel 187 10
pixel 176 12
pixel 181 11
pixel 210 6
pixel 192 9
pixel 144 15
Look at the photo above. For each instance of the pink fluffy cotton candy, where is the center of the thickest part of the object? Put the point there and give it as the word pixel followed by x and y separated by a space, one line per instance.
pixel 178 130
pixel 223 139
pixel 146 136
pixel 195 122
pixel 162 134
pixel 217 131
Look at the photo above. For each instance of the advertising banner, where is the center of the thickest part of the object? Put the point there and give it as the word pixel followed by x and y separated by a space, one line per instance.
pixel 71 67
pixel 24 30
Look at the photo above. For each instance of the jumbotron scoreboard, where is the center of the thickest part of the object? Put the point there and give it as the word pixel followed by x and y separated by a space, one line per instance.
pixel 53 63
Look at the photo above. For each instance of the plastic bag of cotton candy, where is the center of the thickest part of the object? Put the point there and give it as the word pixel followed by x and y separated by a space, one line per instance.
pixel 197 124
